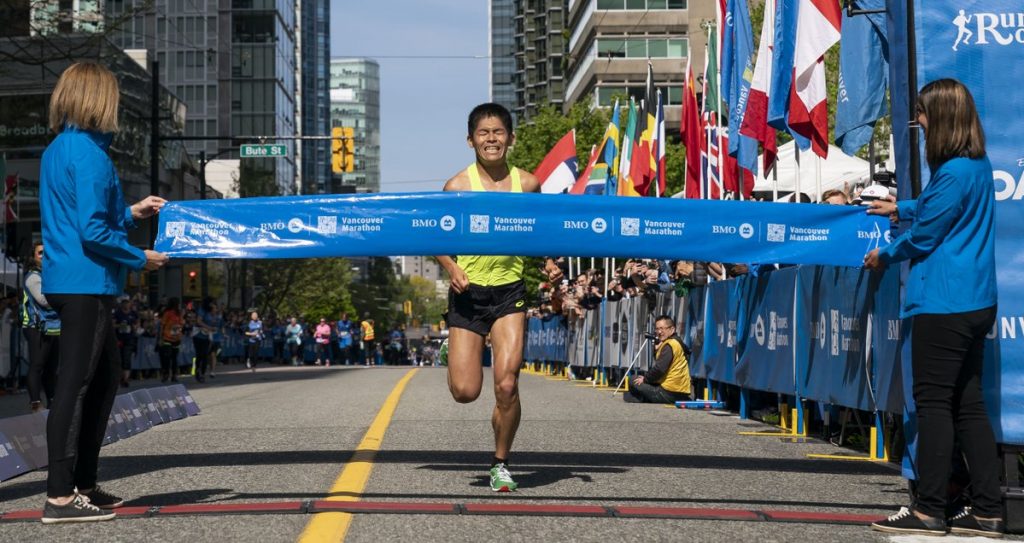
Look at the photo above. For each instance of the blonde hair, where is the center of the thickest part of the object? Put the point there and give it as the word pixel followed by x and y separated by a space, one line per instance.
pixel 87 96
pixel 954 129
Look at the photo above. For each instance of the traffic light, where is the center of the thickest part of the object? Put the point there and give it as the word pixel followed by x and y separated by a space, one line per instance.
pixel 337 150
pixel 350 149
pixel 407 307
pixel 191 287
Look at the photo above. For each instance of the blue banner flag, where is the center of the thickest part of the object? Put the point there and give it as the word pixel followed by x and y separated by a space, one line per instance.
pixel 741 75
pixel 863 77
pixel 445 223
pixel 979 42
pixel 786 12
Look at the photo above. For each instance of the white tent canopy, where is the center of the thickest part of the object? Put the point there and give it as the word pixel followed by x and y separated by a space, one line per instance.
pixel 838 171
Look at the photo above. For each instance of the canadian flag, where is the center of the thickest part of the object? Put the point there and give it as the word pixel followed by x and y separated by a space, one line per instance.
pixel 817 30
pixel 755 122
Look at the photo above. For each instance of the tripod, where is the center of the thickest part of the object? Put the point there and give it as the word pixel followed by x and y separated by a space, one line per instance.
pixel 647 337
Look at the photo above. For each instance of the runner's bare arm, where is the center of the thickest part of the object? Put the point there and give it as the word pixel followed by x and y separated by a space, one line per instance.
pixel 529 182
pixel 459 281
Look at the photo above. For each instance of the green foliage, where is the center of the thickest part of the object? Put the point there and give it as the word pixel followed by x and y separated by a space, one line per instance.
pixel 256 179
pixel 379 295
pixel 427 305
pixel 311 288
pixel 534 140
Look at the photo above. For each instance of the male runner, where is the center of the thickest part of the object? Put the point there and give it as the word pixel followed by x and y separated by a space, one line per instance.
pixel 487 295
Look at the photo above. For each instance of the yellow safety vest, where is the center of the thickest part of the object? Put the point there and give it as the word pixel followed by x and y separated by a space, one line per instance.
pixel 489 271
pixel 677 379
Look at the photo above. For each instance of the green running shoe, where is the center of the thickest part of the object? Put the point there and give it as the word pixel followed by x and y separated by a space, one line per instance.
pixel 501 479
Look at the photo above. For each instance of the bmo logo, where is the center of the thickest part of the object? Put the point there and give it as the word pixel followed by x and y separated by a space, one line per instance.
pixel 424 223
pixel 720 229
pixel 598 225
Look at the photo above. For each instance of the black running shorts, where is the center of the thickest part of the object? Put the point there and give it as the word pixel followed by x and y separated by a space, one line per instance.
pixel 478 307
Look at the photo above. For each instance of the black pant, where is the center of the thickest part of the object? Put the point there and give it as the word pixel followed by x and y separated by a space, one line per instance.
pixel 202 346
pixel 43 351
pixel 89 372
pixel 948 350
pixel 645 393
pixel 168 360
pixel 252 350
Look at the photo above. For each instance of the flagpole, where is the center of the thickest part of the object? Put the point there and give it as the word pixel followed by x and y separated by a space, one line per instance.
pixel 817 177
pixel 775 180
pixel 796 153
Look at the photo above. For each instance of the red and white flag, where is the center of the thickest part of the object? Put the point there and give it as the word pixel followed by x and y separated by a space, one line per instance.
pixel 557 172
pixel 755 121
pixel 817 30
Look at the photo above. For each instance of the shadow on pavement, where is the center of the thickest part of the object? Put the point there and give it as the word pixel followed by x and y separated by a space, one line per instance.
pixel 541 468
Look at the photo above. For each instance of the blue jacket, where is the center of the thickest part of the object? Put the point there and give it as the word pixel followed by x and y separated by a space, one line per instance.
pixel 85 219
pixel 951 243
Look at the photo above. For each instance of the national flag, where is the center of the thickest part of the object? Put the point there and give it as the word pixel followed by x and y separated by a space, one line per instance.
pixel 730 173
pixel 863 77
pixel 693 136
pixel 611 151
pixel 817 30
pixel 559 169
pixel 658 147
pixel 594 176
pixel 10 193
pixel 740 76
pixel 625 162
pixel 786 12
pixel 712 188
pixel 712 100
pixel 641 164
pixel 755 122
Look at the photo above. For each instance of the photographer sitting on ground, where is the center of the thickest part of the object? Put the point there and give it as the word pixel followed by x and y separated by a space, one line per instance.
pixel 668 381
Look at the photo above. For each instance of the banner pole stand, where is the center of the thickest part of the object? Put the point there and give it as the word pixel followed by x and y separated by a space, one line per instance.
pixel 798 428
pixel 744 404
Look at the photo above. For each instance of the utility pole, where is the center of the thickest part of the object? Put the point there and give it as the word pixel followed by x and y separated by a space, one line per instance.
pixel 154 170
pixel 205 283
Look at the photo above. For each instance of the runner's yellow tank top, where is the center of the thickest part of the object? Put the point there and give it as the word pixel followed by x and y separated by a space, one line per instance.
pixel 489 271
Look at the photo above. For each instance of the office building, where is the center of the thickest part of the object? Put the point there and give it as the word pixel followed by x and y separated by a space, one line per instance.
pixel 355 102
pixel 501 47
pixel 540 52
pixel 315 103
pixel 611 42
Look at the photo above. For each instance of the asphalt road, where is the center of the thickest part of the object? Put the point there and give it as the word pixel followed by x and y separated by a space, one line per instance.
pixel 286 434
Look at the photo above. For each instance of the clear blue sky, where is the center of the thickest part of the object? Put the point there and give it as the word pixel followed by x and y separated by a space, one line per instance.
pixel 424 102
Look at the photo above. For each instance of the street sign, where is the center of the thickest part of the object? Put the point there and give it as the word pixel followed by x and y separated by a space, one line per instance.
pixel 262 151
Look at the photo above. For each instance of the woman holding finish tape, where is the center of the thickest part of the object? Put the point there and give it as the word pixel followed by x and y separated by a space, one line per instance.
pixel 85 222
pixel 952 237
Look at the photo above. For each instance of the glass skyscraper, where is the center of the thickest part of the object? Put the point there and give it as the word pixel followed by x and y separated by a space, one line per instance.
pixel 355 102
pixel 316 105
pixel 502 50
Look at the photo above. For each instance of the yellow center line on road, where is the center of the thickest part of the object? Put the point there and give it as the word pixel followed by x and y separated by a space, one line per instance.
pixel 349 485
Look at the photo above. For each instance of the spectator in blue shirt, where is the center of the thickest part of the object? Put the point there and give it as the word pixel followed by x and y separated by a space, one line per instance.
pixel 343 331
pixel 253 340
pixel 952 238
pixel 85 222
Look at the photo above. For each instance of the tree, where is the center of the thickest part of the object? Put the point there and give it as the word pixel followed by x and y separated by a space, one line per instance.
pixel 427 305
pixel 535 139
pixel 380 295
pixel 311 288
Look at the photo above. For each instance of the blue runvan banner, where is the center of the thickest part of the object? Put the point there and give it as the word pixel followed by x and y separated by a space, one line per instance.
pixel 445 223
pixel 981 43
pixel 765 331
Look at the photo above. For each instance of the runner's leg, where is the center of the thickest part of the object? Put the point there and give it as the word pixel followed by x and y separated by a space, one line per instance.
pixel 507 357
pixel 465 372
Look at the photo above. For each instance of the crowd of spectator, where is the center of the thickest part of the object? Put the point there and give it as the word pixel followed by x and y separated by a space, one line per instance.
pixel 333 341
pixel 571 297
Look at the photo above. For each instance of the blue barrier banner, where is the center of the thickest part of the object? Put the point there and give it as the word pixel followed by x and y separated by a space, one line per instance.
pixel 886 342
pixel 694 330
pixel 12 463
pixel 975 41
pixel 523 224
pixel 765 330
pixel 720 331
pixel 833 304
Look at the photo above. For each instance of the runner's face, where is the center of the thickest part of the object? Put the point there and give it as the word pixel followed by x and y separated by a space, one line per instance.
pixel 491 140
